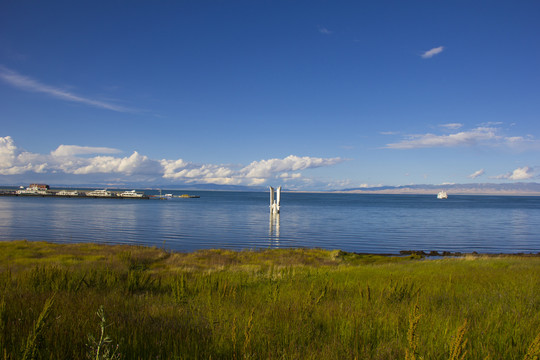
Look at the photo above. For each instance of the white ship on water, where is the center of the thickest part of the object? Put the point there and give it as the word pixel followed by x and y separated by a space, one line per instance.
pixel 102 193
pixel 131 194
pixel 442 195
pixel 67 193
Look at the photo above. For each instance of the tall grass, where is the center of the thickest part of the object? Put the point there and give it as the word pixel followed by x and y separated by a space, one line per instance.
pixel 32 344
pixel 411 353
pixel 275 304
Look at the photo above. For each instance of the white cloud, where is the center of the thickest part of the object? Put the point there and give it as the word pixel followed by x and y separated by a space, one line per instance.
pixel 266 168
pixel 8 151
pixel 491 123
pixel 468 138
pixel 476 174
pixel 521 143
pixel 134 164
pixel 14 161
pixel 28 84
pixel 255 173
pixel 170 167
pixel 452 126
pixel 72 150
pixel 206 173
pixel 74 160
pixel 480 136
pixel 325 31
pixel 522 173
pixel 388 133
pixel 290 176
pixel 432 52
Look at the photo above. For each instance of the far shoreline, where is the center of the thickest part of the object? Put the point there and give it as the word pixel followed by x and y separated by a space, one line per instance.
pixel 483 189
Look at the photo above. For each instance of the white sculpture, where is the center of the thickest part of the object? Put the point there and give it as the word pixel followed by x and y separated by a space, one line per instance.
pixel 274 203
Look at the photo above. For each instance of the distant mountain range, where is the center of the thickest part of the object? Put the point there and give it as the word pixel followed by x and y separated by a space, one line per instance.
pixel 457 189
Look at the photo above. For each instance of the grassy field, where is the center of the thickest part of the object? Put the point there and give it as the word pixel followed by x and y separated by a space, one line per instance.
pixel 97 302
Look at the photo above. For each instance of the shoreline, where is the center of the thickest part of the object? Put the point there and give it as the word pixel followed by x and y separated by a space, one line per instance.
pixel 433 254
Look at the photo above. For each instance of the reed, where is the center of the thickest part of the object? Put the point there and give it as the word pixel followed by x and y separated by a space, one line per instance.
pixel 411 353
pixel 458 351
pixel 533 352
pixel 33 340
pixel 2 321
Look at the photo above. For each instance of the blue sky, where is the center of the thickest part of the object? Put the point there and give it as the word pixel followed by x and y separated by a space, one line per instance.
pixel 312 95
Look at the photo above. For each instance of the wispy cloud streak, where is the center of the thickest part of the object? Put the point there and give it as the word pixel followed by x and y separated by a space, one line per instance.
pixel 480 136
pixel 452 126
pixel 432 52
pixel 28 84
pixel 72 150
pixel 471 137
pixel 325 31
pixel 476 174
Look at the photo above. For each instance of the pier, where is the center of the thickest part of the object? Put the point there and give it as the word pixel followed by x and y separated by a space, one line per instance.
pixel 54 195
pixel 43 190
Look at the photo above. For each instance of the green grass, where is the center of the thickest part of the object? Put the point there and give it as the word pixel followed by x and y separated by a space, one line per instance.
pixel 271 304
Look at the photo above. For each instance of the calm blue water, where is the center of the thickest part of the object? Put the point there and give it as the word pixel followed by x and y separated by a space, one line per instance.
pixel 241 220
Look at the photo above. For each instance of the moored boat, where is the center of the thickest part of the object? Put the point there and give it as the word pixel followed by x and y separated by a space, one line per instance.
pixel 67 193
pixel 131 194
pixel 100 193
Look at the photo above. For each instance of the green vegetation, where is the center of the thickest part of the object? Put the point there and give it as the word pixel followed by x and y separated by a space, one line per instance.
pixel 93 301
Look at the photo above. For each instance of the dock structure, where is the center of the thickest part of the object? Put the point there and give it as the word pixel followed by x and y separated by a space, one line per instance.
pixel 275 197
pixel 43 190
pixel 80 196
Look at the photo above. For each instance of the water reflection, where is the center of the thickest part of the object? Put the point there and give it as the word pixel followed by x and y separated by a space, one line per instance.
pixel 7 214
pixel 273 232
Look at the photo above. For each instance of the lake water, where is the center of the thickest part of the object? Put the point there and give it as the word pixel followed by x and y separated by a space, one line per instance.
pixel 242 220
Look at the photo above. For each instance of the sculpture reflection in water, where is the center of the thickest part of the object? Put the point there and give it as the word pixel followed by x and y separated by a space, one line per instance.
pixel 273 232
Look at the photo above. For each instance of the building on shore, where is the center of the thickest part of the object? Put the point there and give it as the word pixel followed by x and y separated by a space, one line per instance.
pixel 35 189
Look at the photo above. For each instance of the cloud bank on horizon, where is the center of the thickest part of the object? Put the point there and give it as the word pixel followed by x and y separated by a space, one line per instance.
pixel 488 136
pixel 73 160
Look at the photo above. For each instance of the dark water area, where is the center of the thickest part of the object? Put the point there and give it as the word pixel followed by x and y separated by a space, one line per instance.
pixel 242 220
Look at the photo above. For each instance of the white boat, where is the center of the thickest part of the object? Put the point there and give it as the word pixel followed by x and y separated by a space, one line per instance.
pixel 102 193
pixel 442 195
pixel 67 193
pixel 131 194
